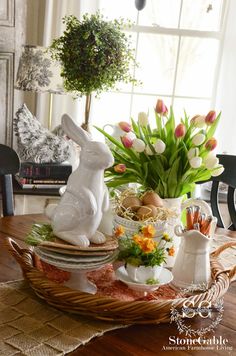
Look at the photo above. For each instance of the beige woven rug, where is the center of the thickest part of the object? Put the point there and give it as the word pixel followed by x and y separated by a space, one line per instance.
pixel 30 327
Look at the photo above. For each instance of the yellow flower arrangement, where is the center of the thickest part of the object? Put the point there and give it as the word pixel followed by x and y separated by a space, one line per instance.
pixel 148 231
pixel 141 249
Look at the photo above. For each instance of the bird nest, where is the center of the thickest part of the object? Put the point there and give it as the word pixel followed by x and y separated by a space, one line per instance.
pixel 163 213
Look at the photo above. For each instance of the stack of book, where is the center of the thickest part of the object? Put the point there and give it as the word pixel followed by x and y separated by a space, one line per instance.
pixel 43 175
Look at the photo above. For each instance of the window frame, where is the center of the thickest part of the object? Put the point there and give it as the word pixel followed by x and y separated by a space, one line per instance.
pixel 180 34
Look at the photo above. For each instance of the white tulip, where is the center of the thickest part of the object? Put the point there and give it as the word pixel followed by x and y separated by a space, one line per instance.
pixel 193 152
pixel 142 119
pixel 148 150
pixel 199 121
pixel 195 162
pixel 198 139
pixel 217 172
pixel 209 155
pixel 138 145
pixel 159 146
pixel 211 162
pixel 131 135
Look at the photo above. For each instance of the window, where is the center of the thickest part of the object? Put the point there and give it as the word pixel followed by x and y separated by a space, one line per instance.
pixel 177 45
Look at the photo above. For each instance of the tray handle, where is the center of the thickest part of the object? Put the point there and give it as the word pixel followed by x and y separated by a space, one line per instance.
pixel 231 271
pixel 20 254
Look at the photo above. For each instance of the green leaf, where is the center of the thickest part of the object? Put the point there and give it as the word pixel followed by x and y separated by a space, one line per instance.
pixel 128 151
pixel 173 178
pixel 213 127
pixel 158 123
pixel 119 158
pixel 202 176
pixel 158 165
pixel 186 188
pixel 164 161
pixel 111 138
pixel 170 124
pixel 135 127
pixel 145 167
pixel 175 155
pixel 117 182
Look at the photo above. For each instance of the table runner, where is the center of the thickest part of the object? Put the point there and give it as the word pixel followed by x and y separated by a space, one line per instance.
pixel 227 257
pixel 30 327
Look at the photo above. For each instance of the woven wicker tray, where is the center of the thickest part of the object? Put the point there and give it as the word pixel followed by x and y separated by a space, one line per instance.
pixel 110 309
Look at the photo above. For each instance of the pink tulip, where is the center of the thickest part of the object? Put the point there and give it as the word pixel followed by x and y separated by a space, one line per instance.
pixel 125 126
pixel 120 168
pixel 210 118
pixel 211 144
pixel 180 131
pixel 127 141
pixel 161 108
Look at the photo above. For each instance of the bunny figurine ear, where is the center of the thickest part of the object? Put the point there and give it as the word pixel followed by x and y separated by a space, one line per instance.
pixel 74 132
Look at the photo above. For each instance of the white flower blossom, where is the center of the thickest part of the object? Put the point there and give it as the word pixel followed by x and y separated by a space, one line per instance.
pixel 211 162
pixel 198 139
pixel 142 119
pixel 199 121
pixel 138 145
pixel 217 171
pixel 195 162
pixel 131 135
pixel 193 152
pixel 159 146
pixel 209 155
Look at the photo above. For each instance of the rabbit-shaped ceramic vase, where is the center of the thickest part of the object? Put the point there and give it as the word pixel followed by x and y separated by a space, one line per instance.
pixel 79 212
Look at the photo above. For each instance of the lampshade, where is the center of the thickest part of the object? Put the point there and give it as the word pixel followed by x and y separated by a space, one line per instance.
pixel 38 72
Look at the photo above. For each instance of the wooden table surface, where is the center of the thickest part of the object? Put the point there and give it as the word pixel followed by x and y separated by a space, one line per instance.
pixel 134 340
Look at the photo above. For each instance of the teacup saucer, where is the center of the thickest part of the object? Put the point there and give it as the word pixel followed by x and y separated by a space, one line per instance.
pixel 165 277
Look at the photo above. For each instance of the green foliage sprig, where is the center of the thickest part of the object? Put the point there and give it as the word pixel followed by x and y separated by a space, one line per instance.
pixel 39 233
pixel 95 54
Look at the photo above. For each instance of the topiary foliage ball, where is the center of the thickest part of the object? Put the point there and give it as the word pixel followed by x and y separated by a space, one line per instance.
pixel 94 54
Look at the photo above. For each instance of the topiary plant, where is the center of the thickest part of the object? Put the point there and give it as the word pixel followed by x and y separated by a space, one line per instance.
pixel 95 54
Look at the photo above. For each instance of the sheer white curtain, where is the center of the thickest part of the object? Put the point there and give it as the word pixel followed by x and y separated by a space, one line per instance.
pixel 55 10
pixel 226 90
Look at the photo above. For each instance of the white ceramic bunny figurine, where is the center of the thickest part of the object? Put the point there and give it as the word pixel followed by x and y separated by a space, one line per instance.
pixel 78 215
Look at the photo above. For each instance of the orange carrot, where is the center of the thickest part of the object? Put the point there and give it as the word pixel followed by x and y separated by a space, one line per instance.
pixel 189 218
pixel 206 225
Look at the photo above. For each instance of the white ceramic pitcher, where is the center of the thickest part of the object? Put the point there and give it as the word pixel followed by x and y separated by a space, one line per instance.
pixel 113 130
pixel 192 265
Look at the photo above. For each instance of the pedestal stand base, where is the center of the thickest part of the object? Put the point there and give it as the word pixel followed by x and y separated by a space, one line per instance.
pixel 79 281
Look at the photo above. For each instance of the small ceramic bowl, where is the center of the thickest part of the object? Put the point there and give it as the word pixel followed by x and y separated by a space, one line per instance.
pixel 132 227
